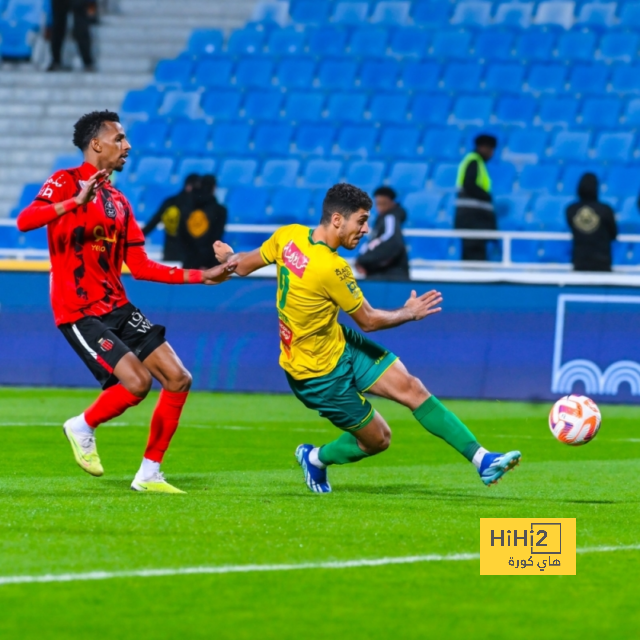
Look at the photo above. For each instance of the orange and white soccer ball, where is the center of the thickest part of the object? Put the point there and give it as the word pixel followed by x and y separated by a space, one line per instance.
pixel 575 420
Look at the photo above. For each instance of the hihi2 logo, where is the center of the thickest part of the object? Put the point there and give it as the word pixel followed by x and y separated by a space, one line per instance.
pixel 527 546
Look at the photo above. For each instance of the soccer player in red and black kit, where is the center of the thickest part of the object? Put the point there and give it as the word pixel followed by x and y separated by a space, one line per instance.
pixel 92 231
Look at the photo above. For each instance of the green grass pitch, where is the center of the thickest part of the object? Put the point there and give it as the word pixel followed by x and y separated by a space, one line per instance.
pixel 247 504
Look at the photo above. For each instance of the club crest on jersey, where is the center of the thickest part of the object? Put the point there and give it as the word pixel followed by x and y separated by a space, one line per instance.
pixel 110 209
pixel 105 345
pixel 294 259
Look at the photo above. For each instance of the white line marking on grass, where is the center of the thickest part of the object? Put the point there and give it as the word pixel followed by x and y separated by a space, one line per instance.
pixel 263 568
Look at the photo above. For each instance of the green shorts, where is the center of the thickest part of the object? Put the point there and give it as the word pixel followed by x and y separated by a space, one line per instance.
pixel 337 396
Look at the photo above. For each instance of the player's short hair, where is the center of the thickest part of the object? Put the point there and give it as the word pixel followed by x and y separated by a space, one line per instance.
pixel 486 140
pixel 88 127
pixel 344 199
pixel 386 191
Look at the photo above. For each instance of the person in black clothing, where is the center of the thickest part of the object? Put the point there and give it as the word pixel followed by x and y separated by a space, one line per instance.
pixel 594 228
pixel 202 225
pixel 474 204
pixel 171 211
pixel 81 9
pixel 384 255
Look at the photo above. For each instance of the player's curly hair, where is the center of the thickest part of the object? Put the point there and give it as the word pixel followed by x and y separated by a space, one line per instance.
pixel 344 199
pixel 88 127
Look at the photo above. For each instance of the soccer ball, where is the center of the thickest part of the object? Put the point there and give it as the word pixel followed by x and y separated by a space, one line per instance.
pixel 575 420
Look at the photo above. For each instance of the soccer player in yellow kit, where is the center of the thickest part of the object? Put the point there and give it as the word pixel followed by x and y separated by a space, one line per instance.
pixel 330 366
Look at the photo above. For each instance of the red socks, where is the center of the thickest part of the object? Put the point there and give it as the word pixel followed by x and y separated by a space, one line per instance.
pixel 164 423
pixel 111 403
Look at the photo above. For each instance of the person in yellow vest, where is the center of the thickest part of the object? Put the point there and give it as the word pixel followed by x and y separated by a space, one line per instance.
pixel 474 205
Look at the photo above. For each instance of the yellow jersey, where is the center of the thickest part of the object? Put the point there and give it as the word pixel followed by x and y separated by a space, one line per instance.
pixel 314 283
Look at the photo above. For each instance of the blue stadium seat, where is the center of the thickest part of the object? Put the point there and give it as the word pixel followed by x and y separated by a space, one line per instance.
pixel 391 13
pixel 315 139
pixel 514 14
pixel 504 77
pixel 614 147
pixel 432 14
pixel 625 253
pixel 309 11
pixel 619 47
pixel 511 210
pixel 601 112
pixel 554 13
pixel 472 14
pixel 215 72
pixel 35 239
pixel 365 175
pixel 628 218
pixel 304 107
pixel 409 41
pixel 337 74
pixel 280 173
pixel 623 181
pixel 180 104
pixel 444 176
pixel 328 41
pixel 389 108
pixel 368 42
pixel 597 15
pixel 540 178
pixel 322 174
pixel 296 73
pixel 430 109
pixel 632 112
pixel 255 72
pixel 626 79
pixel 286 42
pixel 546 77
pixel 573 173
pixel 630 15
pixel 221 104
pixel 236 172
pixel 247 205
pixel 422 208
pixel 558 111
pixel 472 110
pixel 379 74
pixel 187 166
pixel 503 175
pixel 420 76
pixel 16 39
pixel 174 73
pixel 442 144
pixel 399 142
pixel 462 76
pixel 148 136
pixel 291 201
pixel 346 107
pixel 570 145
pixel 154 170
pixel 231 138
pixel 549 212
pixel 577 45
pixel 271 13
pixel 588 79
pixel 350 12
pixel 518 110
pixel 262 105
pixel 525 145
pixel 9 236
pixel 272 139
pixel 28 11
pixel 408 176
pixel 450 45
pixel 205 42
pixel 357 140
pixel 535 45
pixel 492 44
pixel 189 137
pixel 32 189
pixel 248 41
pixel 142 102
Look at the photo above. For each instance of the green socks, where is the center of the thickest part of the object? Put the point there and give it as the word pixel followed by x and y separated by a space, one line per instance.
pixel 341 451
pixel 439 421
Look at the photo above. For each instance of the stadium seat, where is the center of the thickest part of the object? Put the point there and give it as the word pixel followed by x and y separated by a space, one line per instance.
pixel 303 106
pixel 236 172
pixel 451 45
pixel 570 145
pixel 442 144
pixel 272 139
pixel 504 77
pixel 368 42
pixel 577 45
pixel 16 38
pixel 619 47
pixel 525 145
pixel 462 76
pixel 274 12
pixel 597 15
pixel 187 166
pixel 262 105
pixel 555 13
pixel 588 79
pixel 389 108
pixel 346 107
pixel 409 41
pixel 420 76
pixel 628 218
pixel 601 112
pixel 472 110
pixel 549 212
pixel 205 42
pixel 221 104
pixel 315 139
pixel 148 136
pixel 632 112
pixel 472 14
pixel 291 201
pixel 391 13
pixel 231 138
pixel 30 12
pixel 189 137
pixel 630 15
pixel 255 72
pixel 31 190
pixel 174 73
pixel 491 44
pixel 422 208
pixel 573 173
pixel 153 170
pixel 357 140
pixel 626 79
pixel 321 174
pixel 365 175
pixel 558 111
pixel 503 175
pixel 247 205
pixel 514 14
pixel 614 147
pixel 444 176
pixel 350 12
pixel 180 104
pixel 535 45
pixel 511 210
pixel 518 110
pixel 430 109
pixel 328 41
pixel 408 176
pixel 337 74
pixel 215 72
pixel 246 41
pixel 379 74
pixel 280 173
pixel 399 142
pixel 432 14
pixel 623 181
pixel 539 178
pixel 142 103
pixel 546 77
pixel 296 73
pixel 310 11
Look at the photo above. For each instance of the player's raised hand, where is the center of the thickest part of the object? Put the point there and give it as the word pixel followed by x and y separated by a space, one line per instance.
pixel 222 250
pixel 91 187
pixel 218 274
pixel 424 305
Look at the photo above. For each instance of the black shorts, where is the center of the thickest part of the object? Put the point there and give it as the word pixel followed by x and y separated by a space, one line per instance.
pixel 102 341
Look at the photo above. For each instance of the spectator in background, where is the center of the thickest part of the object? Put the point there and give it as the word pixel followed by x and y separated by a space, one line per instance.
pixel 81 10
pixel 474 205
pixel 384 255
pixel 171 211
pixel 202 225
pixel 594 228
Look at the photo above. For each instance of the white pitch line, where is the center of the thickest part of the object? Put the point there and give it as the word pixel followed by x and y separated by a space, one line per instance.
pixel 262 568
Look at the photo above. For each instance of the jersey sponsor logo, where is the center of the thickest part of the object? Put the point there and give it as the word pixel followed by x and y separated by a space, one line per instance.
pixel 139 322
pixel 286 335
pixel 99 235
pixel 47 188
pixel 344 273
pixel 294 259
pixel 105 345
pixel 353 288
pixel 110 209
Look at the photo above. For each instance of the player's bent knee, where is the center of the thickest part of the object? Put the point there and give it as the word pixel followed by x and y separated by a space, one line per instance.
pixel 180 382
pixel 139 384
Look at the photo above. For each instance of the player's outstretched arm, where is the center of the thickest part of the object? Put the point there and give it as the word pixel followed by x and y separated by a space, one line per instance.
pixel 415 308
pixel 245 263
